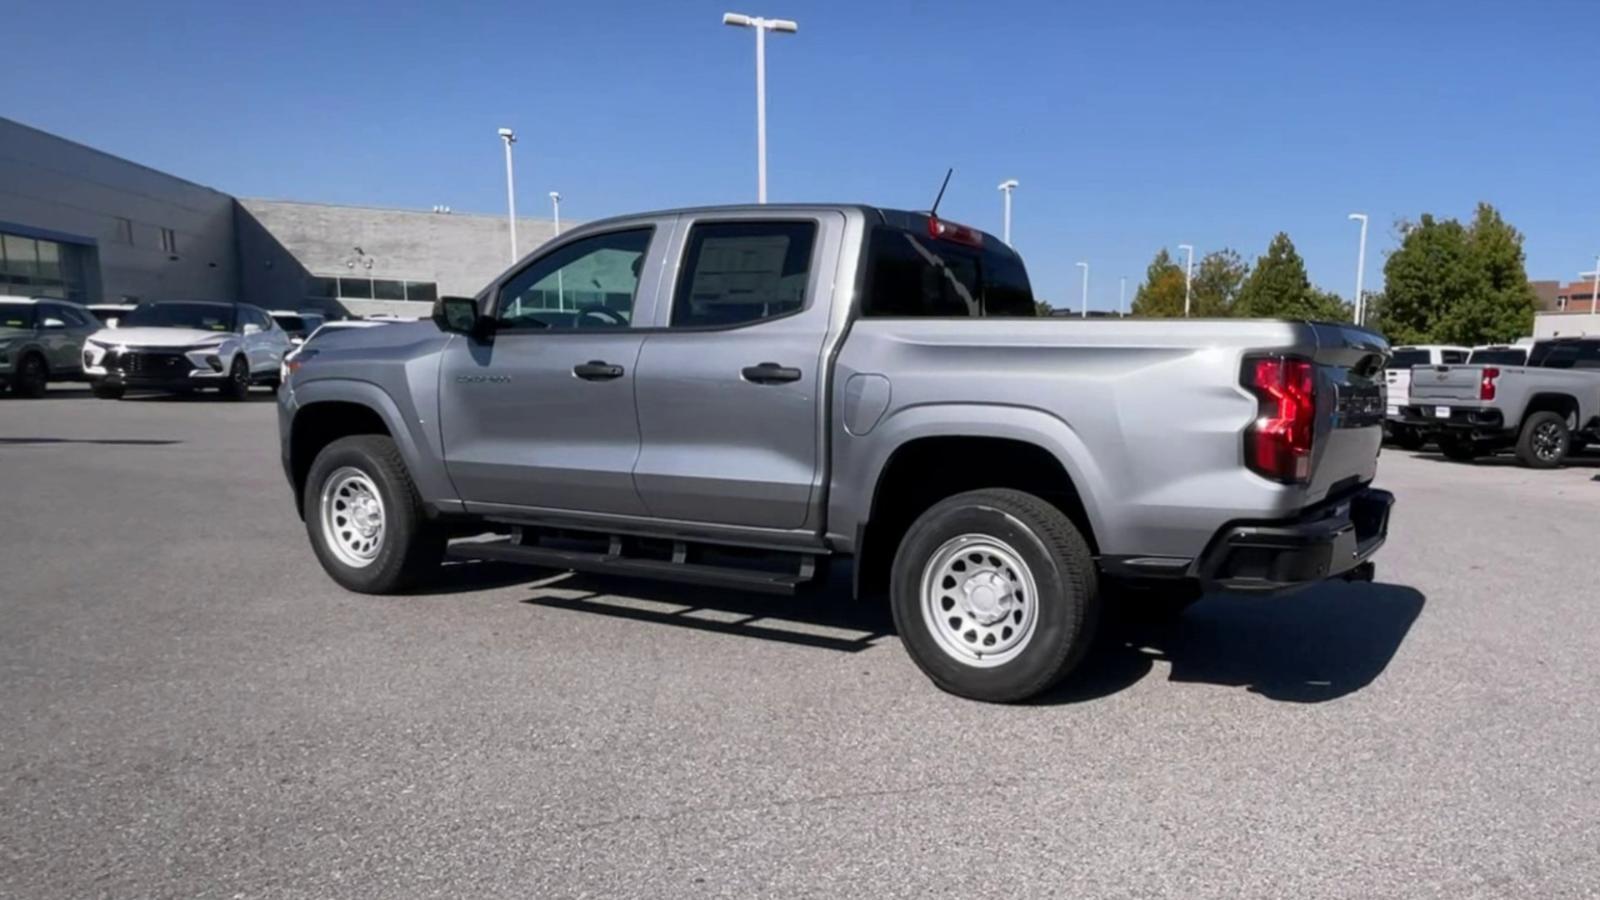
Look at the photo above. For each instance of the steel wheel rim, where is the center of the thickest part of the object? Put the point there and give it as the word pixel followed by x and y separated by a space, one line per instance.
pixel 979 600
pixel 353 517
pixel 1547 441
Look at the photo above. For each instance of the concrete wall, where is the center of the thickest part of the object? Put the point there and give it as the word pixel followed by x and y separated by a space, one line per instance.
pixel 282 242
pixel 1567 324
pixel 50 184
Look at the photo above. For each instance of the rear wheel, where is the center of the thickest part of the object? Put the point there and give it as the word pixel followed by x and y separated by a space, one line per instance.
pixel 365 519
pixel 1458 449
pixel 994 594
pixel 1545 440
pixel 237 386
pixel 33 376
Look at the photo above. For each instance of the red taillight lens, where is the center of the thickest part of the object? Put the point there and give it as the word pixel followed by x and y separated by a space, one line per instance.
pixel 1277 444
pixel 1486 385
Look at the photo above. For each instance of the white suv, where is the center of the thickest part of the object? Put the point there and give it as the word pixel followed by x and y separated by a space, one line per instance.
pixel 186 344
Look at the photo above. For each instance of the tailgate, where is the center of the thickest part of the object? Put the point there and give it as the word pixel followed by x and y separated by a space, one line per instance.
pixel 1399 383
pixel 1350 407
pixel 1430 384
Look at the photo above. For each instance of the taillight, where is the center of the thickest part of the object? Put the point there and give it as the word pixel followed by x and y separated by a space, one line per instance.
pixel 1277 444
pixel 950 231
pixel 1486 384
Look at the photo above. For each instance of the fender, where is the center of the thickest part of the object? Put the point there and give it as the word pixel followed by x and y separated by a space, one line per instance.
pixel 415 435
pixel 859 461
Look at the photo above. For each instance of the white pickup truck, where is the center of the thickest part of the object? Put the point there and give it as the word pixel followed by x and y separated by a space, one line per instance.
pixel 1397 387
pixel 1545 410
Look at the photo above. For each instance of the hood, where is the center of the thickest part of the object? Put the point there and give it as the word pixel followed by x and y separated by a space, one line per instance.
pixel 159 337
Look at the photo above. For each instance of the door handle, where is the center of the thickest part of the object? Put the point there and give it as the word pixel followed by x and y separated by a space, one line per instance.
pixel 597 370
pixel 770 373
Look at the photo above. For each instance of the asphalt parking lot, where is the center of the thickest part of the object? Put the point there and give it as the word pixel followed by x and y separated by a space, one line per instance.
pixel 193 709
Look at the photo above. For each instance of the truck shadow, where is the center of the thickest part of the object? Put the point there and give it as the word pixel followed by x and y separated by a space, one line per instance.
pixel 1316 645
pixel 828 618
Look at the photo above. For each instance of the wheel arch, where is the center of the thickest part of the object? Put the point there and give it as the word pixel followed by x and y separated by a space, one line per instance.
pixel 1550 401
pixel 915 474
pixel 329 409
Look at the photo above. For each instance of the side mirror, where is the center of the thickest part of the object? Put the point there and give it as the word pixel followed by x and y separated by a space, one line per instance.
pixel 251 328
pixel 111 322
pixel 296 341
pixel 53 324
pixel 460 315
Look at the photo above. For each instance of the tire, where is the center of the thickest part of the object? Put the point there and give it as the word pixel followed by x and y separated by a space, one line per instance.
pixel 1409 439
pixel 106 391
pixel 237 386
pixel 406 547
pixel 1544 441
pixel 33 377
pixel 1006 545
pixel 1458 449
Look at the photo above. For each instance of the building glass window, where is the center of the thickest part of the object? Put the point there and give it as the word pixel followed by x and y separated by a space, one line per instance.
pixel 40 268
pixel 169 241
pixel 124 230
pixel 356 288
pixel 331 287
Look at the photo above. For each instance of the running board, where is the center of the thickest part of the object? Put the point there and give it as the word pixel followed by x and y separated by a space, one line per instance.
pixel 654 569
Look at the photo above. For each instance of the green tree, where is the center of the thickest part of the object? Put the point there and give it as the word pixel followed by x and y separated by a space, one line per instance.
pixel 1459 284
pixel 1278 288
pixel 1161 293
pixel 1217 282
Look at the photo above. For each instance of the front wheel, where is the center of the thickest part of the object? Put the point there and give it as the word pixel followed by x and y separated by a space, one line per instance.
pixel 33 377
pixel 365 520
pixel 237 386
pixel 994 594
pixel 1545 440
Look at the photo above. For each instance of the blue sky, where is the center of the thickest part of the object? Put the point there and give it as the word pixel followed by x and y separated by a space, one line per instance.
pixel 1131 125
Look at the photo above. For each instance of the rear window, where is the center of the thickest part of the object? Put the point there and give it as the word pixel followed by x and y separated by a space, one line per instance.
pixel 16 315
pixel 1566 355
pixel 1499 356
pixel 1452 357
pixel 915 276
pixel 291 324
pixel 1405 359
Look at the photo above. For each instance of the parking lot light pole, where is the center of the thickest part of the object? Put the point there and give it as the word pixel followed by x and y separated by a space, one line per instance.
pixel 1594 292
pixel 510 137
pixel 1122 296
pixel 555 205
pixel 1085 267
pixel 762 26
pixel 1188 276
pixel 1361 266
pixel 1006 187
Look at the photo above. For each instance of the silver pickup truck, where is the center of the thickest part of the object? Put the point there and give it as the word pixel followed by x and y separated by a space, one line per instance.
pixel 743 396
pixel 1544 410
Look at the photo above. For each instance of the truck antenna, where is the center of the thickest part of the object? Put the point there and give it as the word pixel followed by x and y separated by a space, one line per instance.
pixel 934 213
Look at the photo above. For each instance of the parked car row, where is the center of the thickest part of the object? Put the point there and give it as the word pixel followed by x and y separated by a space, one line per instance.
pixel 175 345
pixel 1538 398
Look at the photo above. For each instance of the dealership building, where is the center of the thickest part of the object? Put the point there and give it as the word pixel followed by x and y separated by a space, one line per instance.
pixel 85 225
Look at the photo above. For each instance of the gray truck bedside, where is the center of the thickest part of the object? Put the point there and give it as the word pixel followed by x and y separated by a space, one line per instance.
pixel 744 396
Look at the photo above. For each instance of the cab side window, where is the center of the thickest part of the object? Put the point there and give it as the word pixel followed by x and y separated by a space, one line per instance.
pixel 735 273
pixel 589 284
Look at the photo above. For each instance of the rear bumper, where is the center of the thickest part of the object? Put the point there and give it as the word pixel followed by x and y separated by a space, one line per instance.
pixel 1332 540
pixel 1466 418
